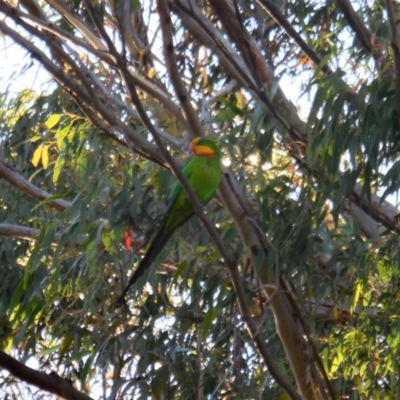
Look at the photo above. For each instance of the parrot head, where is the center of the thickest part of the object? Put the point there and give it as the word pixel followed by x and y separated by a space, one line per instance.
pixel 204 147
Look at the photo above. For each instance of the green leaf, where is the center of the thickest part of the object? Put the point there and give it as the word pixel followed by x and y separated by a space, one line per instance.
pixel 181 268
pixel 61 135
pixel 58 167
pixel 108 239
pixel 53 120
pixel 208 320
pixel 52 198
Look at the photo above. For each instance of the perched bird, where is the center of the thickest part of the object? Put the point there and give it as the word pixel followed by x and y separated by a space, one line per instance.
pixel 203 173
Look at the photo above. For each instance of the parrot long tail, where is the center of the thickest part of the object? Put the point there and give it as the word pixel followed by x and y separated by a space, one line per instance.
pixel 158 243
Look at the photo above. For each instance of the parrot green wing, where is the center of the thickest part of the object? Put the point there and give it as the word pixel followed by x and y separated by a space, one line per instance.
pixel 203 173
pixel 204 176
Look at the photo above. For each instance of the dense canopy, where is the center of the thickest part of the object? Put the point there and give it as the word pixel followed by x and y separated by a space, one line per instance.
pixel 285 285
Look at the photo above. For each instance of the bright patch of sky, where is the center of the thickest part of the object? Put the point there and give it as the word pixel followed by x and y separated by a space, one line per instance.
pixel 18 71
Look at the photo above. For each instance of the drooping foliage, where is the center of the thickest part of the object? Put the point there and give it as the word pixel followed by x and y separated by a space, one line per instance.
pixel 303 100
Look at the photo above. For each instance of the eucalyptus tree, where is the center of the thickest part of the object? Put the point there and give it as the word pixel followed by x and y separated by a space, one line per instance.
pixel 284 286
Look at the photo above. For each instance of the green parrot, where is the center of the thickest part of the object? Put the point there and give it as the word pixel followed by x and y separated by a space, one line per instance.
pixel 203 172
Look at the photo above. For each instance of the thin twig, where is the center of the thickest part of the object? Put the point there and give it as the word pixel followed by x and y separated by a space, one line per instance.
pixel 362 32
pixel 174 74
pixel 74 88
pixel 275 13
pixel 159 94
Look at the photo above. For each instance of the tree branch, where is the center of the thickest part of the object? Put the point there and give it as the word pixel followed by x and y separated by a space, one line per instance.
pixel 229 259
pixel 49 382
pixel 206 34
pixel 394 34
pixel 172 67
pixel 18 231
pixel 76 89
pixel 14 178
pixel 198 208
pixel 292 123
pixel 275 13
pixel 362 32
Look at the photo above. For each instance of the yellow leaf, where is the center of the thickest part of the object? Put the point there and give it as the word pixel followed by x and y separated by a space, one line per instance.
pixel 336 363
pixel 357 293
pixel 45 157
pixel 37 155
pixel 36 138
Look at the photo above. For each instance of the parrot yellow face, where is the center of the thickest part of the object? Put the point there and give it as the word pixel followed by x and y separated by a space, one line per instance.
pixel 203 147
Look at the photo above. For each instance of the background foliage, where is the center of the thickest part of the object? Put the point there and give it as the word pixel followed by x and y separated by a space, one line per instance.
pixel 303 98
